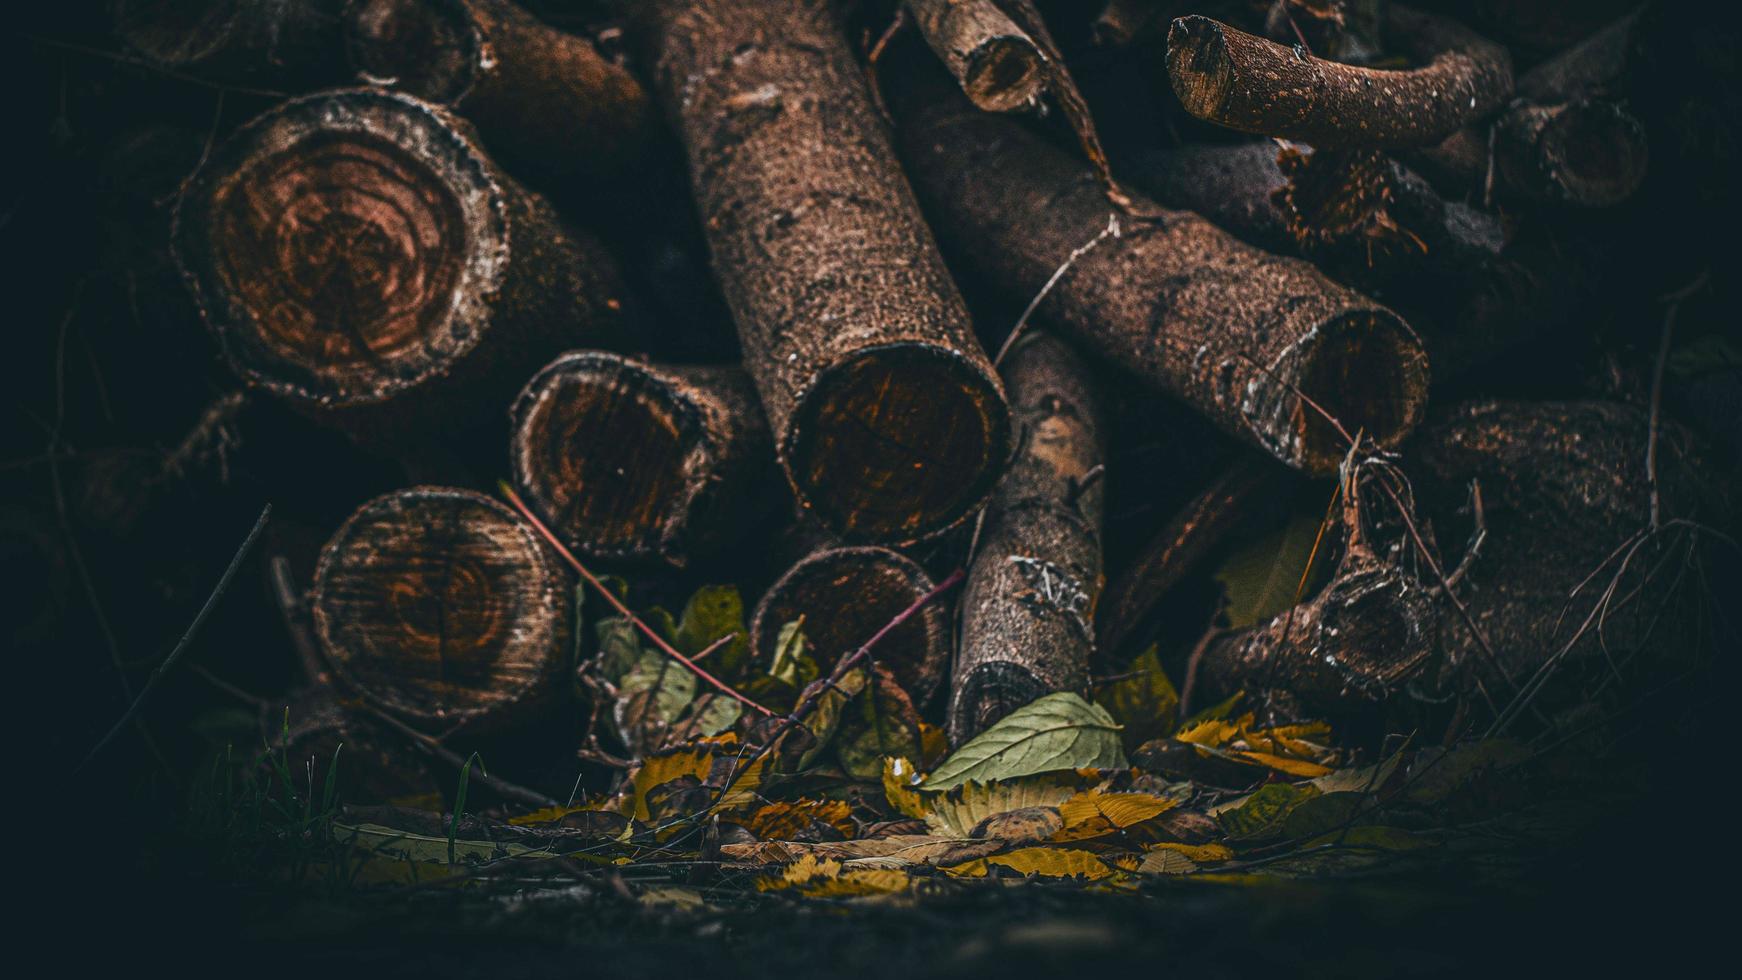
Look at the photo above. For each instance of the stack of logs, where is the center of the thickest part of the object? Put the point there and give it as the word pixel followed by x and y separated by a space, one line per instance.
pixel 370 255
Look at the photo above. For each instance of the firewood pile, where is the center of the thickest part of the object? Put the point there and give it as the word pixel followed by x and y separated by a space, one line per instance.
pixel 1078 440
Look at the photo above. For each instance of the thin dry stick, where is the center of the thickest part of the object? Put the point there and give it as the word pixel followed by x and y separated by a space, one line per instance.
pixel 1112 230
pixel 186 637
pixel 433 746
pixel 617 604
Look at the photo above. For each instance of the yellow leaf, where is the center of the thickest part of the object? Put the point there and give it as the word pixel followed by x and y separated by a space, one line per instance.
pixel 805 870
pixel 1282 763
pixel 899 779
pixel 956 812
pixel 859 881
pixel 1167 863
pixel 1052 862
pixel 968 869
pixel 783 820
pixel 1200 853
pixel 657 770
pixel 933 744
pixel 1121 809
pixel 1211 732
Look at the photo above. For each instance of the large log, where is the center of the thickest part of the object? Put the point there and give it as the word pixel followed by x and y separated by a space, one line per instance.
pixel 1029 606
pixel 536 93
pixel 356 254
pixel 1236 333
pixel 847 594
pixel 444 608
pixel 1234 79
pixel 887 418
pixel 642 462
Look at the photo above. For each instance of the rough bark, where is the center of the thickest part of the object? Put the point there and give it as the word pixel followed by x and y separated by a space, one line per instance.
pixel 1234 332
pixel 283 39
pixel 847 594
pixel 888 420
pixel 442 607
pixel 1234 79
pixel 995 62
pixel 357 255
pixel 627 460
pixel 1189 536
pixel 1563 141
pixel 1029 604
pixel 536 93
pixel 314 734
pixel 1564 488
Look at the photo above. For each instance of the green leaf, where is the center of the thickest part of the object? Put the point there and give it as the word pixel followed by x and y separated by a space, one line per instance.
pixel 460 801
pixel 713 612
pixel 1260 578
pixel 712 714
pixel 1263 813
pixel 813 732
pixel 619 648
pixel 1058 731
pixel 792 663
pixel 880 722
pixel 1145 703
pixel 650 699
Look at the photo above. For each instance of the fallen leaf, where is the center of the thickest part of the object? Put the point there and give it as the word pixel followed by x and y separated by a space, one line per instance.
pixel 881 722
pixel 1282 763
pixel 900 780
pixel 957 812
pixel 1262 813
pixel 1199 853
pixel 1145 703
pixel 1167 862
pixel 784 820
pixel 1052 862
pixel 1058 731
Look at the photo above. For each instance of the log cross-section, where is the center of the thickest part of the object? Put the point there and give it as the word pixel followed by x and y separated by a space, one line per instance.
pixel 443 607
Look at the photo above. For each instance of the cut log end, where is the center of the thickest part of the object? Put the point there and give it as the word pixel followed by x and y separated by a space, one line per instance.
pixel 988 693
pixel 429 48
pixel 1004 74
pixel 175 33
pixel 1593 153
pixel 1365 369
pixel 897 442
pixel 345 247
pixel 612 454
pixel 845 596
pixel 1199 65
pixel 443 607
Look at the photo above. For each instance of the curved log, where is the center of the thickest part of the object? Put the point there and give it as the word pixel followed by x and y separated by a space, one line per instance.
pixel 1238 80
pixel 634 461
pixel 535 93
pixel 357 255
pixel 847 594
pixel 444 608
pixel 1029 604
pixel 1232 331
pixel 887 417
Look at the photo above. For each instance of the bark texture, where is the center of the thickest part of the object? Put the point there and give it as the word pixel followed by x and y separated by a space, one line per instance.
pixel 444 608
pixel 1565 490
pixel 233 38
pixel 1029 604
pixel 536 93
pixel 357 254
pixel 1230 330
pixel 1563 141
pixel 845 596
pixel 1238 80
pixel 888 419
pixel 628 460
pixel 994 61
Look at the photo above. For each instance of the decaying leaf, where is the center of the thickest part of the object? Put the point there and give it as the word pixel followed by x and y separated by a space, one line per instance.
pixel 813 733
pixel 1261 814
pixel 880 723
pixel 1045 862
pixel 900 788
pixel 792 662
pixel 1167 862
pixel 1261 578
pixel 957 812
pixel 1059 731
pixel 1093 813
pixel 785 820
pixel 1145 702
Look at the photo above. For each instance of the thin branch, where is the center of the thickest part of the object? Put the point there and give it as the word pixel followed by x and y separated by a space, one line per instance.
pixel 186 637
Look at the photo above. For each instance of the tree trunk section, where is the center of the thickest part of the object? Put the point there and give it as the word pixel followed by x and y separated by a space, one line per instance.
pixel 995 62
pixel 536 93
pixel 357 255
pixel 640 462
pixel 1236 333
pixel 444 608
pixel 1029 605
pixel 887 417
pixel 845 596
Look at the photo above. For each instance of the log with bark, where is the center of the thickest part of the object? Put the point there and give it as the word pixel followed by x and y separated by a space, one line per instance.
pixel 844 596
pixel 1029 605
pixel 1228 77
pixel 1565 140
pixel 443 608
pixel 356 254
pixel 537 94
pixel 1238 334
pixel 641 462
pixel 888 419
pixel 995 62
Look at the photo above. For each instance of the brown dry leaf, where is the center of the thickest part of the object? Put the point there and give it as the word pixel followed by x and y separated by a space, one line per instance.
pixel 657 770
pixel 1029 825
pixel 880 723
pixel 1166 862
pixel 855 882
pixel 784 820
pixel 901 849
pixel 1199 853
pixel 956 812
